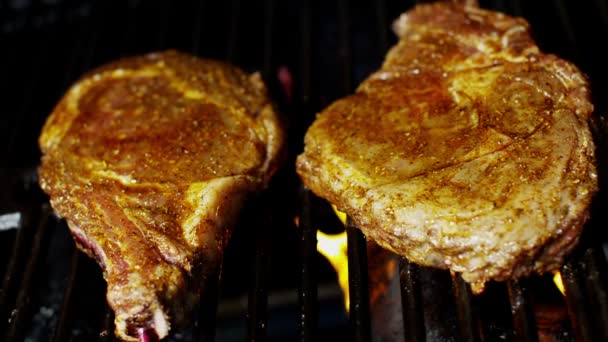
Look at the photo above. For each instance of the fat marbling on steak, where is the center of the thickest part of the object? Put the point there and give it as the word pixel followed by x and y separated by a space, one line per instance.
pixel 468 150
pixel 149 160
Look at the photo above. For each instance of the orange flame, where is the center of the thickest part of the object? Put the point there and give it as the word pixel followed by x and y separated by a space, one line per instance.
pixel 334 248
pixel 341 215
pixel 557 279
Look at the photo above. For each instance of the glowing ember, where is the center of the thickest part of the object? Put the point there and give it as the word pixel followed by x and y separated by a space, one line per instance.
pixel 333 247
pixel 557 279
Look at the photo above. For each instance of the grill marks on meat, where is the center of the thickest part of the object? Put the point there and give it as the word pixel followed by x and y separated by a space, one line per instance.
pixel 149 160
pixel 469 149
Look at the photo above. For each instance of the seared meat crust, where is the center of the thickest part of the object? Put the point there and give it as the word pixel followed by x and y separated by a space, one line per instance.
pixel 469 149
pixel 149 160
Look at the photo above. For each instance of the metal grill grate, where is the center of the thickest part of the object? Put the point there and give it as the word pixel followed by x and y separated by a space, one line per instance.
pixel 328 47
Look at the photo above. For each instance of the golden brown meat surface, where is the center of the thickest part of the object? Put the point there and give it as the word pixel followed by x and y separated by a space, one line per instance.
pixel 469 149
pixel 149 160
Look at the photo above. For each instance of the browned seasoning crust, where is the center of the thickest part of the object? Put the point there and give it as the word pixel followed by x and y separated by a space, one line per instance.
pixel 149 160
pixel 469 149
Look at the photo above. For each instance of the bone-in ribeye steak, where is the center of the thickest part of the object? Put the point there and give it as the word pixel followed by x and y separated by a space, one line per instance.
pixel 149 160
pixel 468 150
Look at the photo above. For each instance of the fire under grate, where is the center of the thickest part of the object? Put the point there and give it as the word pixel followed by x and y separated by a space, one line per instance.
pixel 325 48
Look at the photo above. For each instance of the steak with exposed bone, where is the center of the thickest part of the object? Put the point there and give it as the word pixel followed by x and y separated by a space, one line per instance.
pixel 149 160
pixel 468 150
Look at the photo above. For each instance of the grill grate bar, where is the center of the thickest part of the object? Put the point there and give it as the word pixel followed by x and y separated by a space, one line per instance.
pixel 468 323
pixel 345 48
pixel 308 307
pixel 106 333
pixel 130 30
pixel 602 8
pixel 197 30
pixel 411 301
pixel 258 293
pixel 91 43
pixel 594 264
pixel 305 72
pixel 523 316
pixel 360 318
pixel 75 54
pixel 308 291
pixel 305 54
pixel 164 8
pixel 382 24
pixel 518 8
pixel 23 304
pixel 500 5
pixel 63 324
pixel 28 96
pixel 204 325
pixel 15 265
pixel 566 25
pixel 576 302
pixel 268 32
pixel 235 13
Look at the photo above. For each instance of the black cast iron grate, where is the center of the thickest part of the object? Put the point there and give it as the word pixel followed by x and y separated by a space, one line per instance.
pixel 328 47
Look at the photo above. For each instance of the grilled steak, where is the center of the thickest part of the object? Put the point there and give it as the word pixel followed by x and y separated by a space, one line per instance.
pixel 468 150
pixel 149 160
